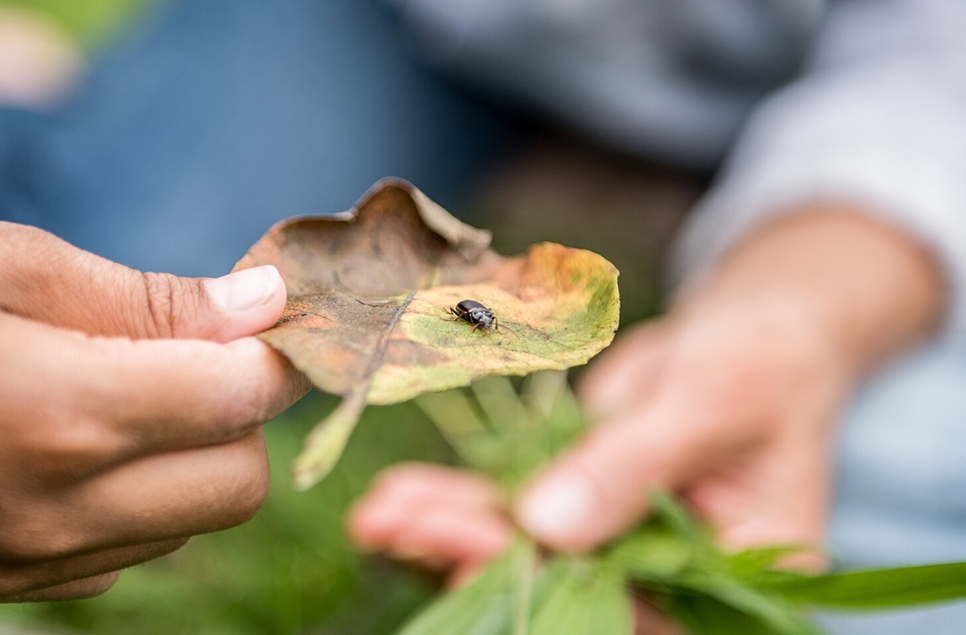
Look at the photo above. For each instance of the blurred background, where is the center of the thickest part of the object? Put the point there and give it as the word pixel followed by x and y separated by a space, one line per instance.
pixel 171 135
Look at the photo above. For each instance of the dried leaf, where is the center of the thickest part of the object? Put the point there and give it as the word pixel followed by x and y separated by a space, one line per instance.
pixel 370 297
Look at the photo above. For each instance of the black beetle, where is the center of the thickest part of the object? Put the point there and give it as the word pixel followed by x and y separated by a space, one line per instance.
pixel 476 314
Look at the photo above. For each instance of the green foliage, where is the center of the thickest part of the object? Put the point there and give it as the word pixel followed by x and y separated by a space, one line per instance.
pixel 89 22
pixel 511 597
pixel 504 434
pixel 487 606
pixel 583 596
pixel 670 557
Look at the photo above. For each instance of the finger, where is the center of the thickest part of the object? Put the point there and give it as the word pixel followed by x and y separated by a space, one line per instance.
pixel 76 576
pixel 443 537
pixel 106 400
pixel 624 373
pixel 46 279
pixel 74 590
pixel 402 492
pixel 781 498
pixel 600 487
pixel 413 483
pixel 158 498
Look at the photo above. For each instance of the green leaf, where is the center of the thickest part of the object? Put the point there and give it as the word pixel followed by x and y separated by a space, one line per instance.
pixel 674 553
pixel 771 610
pixel 705 615
pixel 751 564
pixel 881 588
pixel 324 445
pixel 486 606
pixel 652 554
pixel 679 519
pixel 581 598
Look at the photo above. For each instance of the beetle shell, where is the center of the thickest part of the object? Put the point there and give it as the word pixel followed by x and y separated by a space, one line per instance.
pixel 476 314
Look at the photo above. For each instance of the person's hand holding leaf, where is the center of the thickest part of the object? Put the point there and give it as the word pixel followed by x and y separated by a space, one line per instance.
pixel 130 411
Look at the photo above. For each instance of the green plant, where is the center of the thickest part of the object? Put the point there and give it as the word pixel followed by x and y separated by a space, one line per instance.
pixel 670 558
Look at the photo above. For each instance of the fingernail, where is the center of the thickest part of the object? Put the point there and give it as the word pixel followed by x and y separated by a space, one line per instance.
pixel 245 289
pixel 555 511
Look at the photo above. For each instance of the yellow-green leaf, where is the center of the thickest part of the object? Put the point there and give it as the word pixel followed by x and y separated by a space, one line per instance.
pixel 371 297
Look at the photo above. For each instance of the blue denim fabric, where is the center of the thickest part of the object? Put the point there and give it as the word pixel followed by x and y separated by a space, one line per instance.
pixel 223 116
pixel 901 485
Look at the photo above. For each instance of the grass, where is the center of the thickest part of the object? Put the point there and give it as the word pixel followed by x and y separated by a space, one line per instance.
pixel 88 22
pixel 290 570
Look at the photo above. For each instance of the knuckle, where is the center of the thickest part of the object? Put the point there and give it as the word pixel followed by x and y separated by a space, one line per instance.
pixel 252 399
pixel 67 451
pixel 168 301
pixel 247 485
pixel 33 535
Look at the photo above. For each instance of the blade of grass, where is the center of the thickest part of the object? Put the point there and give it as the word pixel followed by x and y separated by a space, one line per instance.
pixel 541 392
pixel 705 615
pixel 771 610
pixel 751 564
pixel 552 404
pixel 882 588
pixel 458 421
pixel 500 403
pixel 526 567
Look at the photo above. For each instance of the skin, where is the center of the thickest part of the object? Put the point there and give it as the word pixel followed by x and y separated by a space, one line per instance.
pixel 39 63
pixel 130 411
pixel 730 400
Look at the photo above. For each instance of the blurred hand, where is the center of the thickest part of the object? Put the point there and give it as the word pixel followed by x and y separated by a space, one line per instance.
pixel 130 411
pixel 731 406
pixel 729 401
pixel 443 518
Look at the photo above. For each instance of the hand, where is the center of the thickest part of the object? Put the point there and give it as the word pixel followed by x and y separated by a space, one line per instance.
pixel 729 401
pixel 731 406
pixel 449 520
pixel 130 411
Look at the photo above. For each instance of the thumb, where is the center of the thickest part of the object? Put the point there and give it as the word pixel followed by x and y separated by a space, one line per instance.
pixel 600 487
pixel 46 279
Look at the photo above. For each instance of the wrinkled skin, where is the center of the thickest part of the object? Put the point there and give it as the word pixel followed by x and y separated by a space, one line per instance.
pixel 130 411
pixel 729 400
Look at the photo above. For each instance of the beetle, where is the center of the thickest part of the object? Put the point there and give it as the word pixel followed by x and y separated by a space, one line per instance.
pixel 476 314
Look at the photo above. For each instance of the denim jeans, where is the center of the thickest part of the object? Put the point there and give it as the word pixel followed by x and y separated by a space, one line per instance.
pixel 219 117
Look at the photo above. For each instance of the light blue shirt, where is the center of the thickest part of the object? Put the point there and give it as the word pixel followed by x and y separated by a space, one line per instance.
pixel 854 101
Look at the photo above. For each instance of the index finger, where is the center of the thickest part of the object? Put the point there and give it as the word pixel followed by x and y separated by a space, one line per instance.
pixel 105 400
